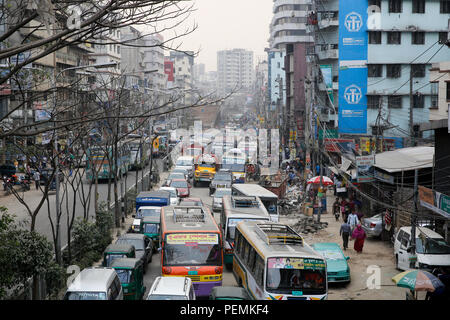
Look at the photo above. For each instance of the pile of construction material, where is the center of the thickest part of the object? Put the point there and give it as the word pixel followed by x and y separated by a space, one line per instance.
pixel 292 201
pixel 306 224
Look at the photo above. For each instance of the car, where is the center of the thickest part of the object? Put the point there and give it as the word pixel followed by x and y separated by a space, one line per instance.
pixel 217 198
pixel 142 244
pixel 338 269
pixel 182 186
pixel 229 293
pixel 193 202
pixel 181 170
pixel 7 170
pixel 186 162
pixel 172 288
pixel 174 199
pixel 95 284
pixel 222 179
pixel 176 175
pixel 432 251
pixel 373 225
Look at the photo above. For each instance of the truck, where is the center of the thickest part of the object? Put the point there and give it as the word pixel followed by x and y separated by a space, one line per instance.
pixel 159 198
pixel 206 166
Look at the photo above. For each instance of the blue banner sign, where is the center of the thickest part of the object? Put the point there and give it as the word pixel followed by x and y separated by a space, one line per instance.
pixel 353 66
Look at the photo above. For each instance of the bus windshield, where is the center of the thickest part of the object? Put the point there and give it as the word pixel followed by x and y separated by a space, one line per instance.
pixel 207 165
pixel 194 249
pixel 296 276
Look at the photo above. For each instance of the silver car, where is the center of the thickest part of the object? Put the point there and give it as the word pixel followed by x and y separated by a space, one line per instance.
pixel 217 198
pixel 373 225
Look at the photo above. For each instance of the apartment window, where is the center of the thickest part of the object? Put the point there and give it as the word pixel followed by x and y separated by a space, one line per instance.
pixel 448 91
pixel 395 102
pixel 375 70
pixel 374 37
pixel 445 6
pixel 418 101
pixel 393 70
pixel 418 70
pixel 394 37
pixel 443 37
pixel 395 6
pixel 418 38
pixel 373 102
pixel 434 94
pixel 418 6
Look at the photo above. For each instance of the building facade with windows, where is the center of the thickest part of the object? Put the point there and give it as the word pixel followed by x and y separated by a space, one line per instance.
pixel 289 22
pixel 405 38
pixel 235 71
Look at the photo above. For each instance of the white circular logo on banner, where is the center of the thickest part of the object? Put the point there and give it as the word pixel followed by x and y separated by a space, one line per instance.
pixel 352 94
pixel 353 22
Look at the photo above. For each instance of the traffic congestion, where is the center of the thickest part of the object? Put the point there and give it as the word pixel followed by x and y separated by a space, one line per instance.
pixel 208 230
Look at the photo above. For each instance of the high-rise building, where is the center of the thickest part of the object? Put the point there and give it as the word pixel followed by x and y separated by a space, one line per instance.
pixel 155 77
pixel 289 22
pixel 234 71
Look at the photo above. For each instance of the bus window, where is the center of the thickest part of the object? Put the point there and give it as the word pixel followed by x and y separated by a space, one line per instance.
pixel 286 276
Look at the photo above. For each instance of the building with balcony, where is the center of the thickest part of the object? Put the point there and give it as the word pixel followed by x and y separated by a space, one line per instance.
pixel 154 60
pixel 289 23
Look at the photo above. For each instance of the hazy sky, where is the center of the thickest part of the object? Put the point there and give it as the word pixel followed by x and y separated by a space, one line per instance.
pixel 228 24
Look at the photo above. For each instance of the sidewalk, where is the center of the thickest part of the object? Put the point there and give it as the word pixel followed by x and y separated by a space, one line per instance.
pixel 375 253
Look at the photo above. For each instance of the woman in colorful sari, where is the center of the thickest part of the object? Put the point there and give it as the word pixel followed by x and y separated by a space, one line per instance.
pixel 359 235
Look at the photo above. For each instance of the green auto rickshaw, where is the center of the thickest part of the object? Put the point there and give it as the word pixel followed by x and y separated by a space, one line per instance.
pixel 115 250
pixel 229 293
pixel 131 275
pixel 150 227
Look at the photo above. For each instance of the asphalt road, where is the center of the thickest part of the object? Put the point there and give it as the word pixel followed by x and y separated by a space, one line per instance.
pixel 43 225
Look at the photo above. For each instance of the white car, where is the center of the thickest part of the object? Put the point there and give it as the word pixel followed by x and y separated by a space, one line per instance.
pixel 186 162
pixel 172 288
pixel 174 199
pixel 95 284
pixel 431 249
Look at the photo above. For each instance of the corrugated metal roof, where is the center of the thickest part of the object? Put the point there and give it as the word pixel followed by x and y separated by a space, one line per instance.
pixel 405 159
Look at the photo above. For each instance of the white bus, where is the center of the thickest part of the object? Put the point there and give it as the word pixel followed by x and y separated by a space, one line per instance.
pixel 234 210
pixel 268 198
pixel 272 262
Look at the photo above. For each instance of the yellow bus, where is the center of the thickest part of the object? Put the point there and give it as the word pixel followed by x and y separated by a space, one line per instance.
pixel 272 262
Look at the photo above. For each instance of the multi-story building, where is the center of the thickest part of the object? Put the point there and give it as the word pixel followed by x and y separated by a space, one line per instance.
pixel 183 74
pixel 235 71
pixel 154 62
pixel 289 22
pixel 403 44
pixel 133 57
pixel 276 84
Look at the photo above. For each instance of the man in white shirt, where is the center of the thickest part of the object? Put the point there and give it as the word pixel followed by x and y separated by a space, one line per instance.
pixel 352 220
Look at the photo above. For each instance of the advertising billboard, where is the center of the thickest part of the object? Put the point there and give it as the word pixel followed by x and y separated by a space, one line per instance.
pixel 353 66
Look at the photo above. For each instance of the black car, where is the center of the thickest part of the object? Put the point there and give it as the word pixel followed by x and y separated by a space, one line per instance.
pixel 7 169
pixel 142 244
pixel 223 179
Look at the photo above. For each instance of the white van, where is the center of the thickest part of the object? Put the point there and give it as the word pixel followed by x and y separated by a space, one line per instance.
pixel 186 162
pixel 95 284
pixel 172 288
pixel 431 249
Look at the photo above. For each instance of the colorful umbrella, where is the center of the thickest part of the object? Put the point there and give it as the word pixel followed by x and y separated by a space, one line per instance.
pixel 325 180
pixel 418 280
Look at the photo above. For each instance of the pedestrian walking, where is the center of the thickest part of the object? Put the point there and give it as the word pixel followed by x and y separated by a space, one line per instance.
pixel 37 179
pixel 352 220
pixel 359 235
pixel 336 209
pixel 345 233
